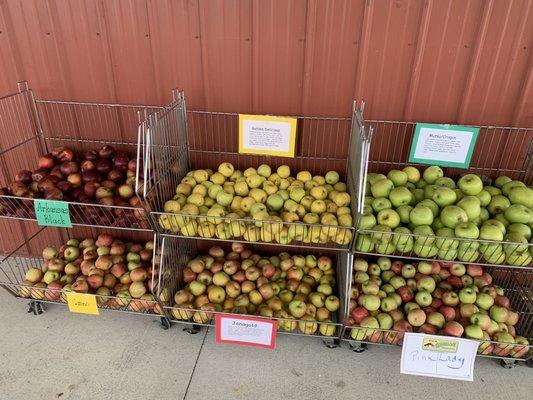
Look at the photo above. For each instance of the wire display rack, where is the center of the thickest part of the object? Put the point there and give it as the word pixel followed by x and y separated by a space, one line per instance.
pixel 14 266
pixel 43 125
pixel 518 289
pixel 177 252
pixel 498 151
pixel 177 141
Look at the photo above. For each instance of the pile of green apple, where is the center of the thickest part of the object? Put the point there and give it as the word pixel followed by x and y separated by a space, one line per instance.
pixel 433 216
pixel 296 290
pixel 119 274
pixel 260 205
pixel 389 298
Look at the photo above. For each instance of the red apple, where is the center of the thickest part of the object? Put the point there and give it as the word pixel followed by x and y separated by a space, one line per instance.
pixel 453 328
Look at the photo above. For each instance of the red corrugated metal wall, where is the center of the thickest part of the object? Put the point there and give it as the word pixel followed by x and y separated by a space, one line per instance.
pixel 458 61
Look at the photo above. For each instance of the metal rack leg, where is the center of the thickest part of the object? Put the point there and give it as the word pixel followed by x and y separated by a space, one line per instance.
pixel 192 329
pixel 165 323
pixel 358 347
pixel 529 361
pixel 35 307
pixel 508 364
pixel 331 343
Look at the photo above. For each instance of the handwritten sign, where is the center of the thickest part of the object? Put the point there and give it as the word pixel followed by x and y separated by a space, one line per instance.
pixel 438 356
pixel 52 213
pixel 445 145
pixel 82 303
pixel 245 330
pixel 267 135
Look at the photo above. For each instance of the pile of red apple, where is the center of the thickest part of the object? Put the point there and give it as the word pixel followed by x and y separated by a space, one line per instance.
pixel 296 290
pixel 103 176
pixel 390 298
pixel 119 274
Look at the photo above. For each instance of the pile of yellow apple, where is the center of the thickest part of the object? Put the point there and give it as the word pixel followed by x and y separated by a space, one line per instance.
pixel 260 205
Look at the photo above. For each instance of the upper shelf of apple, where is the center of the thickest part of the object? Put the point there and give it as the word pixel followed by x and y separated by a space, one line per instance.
pixel 260 205
pixel 434 216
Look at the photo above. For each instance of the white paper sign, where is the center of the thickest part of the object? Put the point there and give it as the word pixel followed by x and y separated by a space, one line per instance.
pixel 249 331
pixel 268 135
pixel 438 356
pixel 445 145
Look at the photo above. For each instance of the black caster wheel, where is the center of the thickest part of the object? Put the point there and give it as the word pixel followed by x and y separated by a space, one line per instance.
pixel 508 364
pixel 165 323
pixel 331 343
pixel 529 362
pixel 36 308
pixel 359 347
pixel 192 329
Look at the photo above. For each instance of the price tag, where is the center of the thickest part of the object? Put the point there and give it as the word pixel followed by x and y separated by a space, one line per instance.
pixel 52 213
pixel 444 145
pixel 268 135
pixel 82 303
pixel 438 356
pixel 244 330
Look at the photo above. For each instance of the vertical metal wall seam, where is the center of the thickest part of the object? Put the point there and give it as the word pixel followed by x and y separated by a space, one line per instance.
pixel 464 103
pixel 109 52
pixel 159 90
pixel 308 57
pixel 421 41
pixel 366 26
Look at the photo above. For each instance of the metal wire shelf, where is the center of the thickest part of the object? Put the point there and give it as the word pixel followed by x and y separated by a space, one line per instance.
pixel 518 288
pixel 14 266
pixel 42 125
pixel 390 145
pixel 176 141
pixel 177 252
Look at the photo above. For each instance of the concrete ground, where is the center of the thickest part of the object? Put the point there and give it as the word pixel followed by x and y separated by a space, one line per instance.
pixel 115 356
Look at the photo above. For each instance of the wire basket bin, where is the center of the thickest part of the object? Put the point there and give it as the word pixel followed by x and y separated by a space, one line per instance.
pixel 179 142
pixel 449 311
pixel 237 283
pixel 454 230
pixel 48 277
pixel 44 159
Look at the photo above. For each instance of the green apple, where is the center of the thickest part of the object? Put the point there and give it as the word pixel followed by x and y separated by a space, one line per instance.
pixel 467 255
pixel 382 188
pixel 431 204
pixel 467 295
pixel 484 301
pixel 502 180
pixel 437 224
pixel 459 194
pixel 413 174
pixel 501 218
pixel 498 204
pixel 497 223
pixel 451 216
pixel 421 215
pixel 470 184
pixel 473 332
pixel 519 259
pixel 445 239
pixel 421 184
pixel 224 198
pixel 364 243
pixel 381 203
pixel 297 194
pixel 385 320
pixel 430 190
pixel 385 248
pixel 418 195
pixel 401 235
pixel 423 298
pixel 484 198
pixel 497 258
pixel 518 213
pixel 521 195
pixel 466 230
pixel 447 254
pixel 521 229
pixel 332 177
pixel 427 236
pixel 388 217
pixel 425 251
pixel 274 202
pixel 431 174
pixel 400 196
pixel 493 191
pixel 372 177
pixel 506 189
pixel 471 205
pixel 367 221
pixel 445 182
pixel 444 196
pixel 490 232
pixel 483 215
pixel 514 246
pixel 403 212
pixel 398 178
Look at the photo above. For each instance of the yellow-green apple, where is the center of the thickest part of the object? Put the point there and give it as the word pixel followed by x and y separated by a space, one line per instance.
pixel 416 317
pixel 499 314
pixel 297 308
pixel 436 319
pixel 423 298
pixel 505 344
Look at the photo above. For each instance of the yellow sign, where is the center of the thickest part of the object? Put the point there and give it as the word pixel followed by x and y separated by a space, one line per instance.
pixel 82 303
pixel 440 345
pixel 267 135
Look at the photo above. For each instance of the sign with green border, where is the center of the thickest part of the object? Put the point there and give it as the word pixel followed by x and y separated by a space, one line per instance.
pixel 52 213
pixel 444 145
